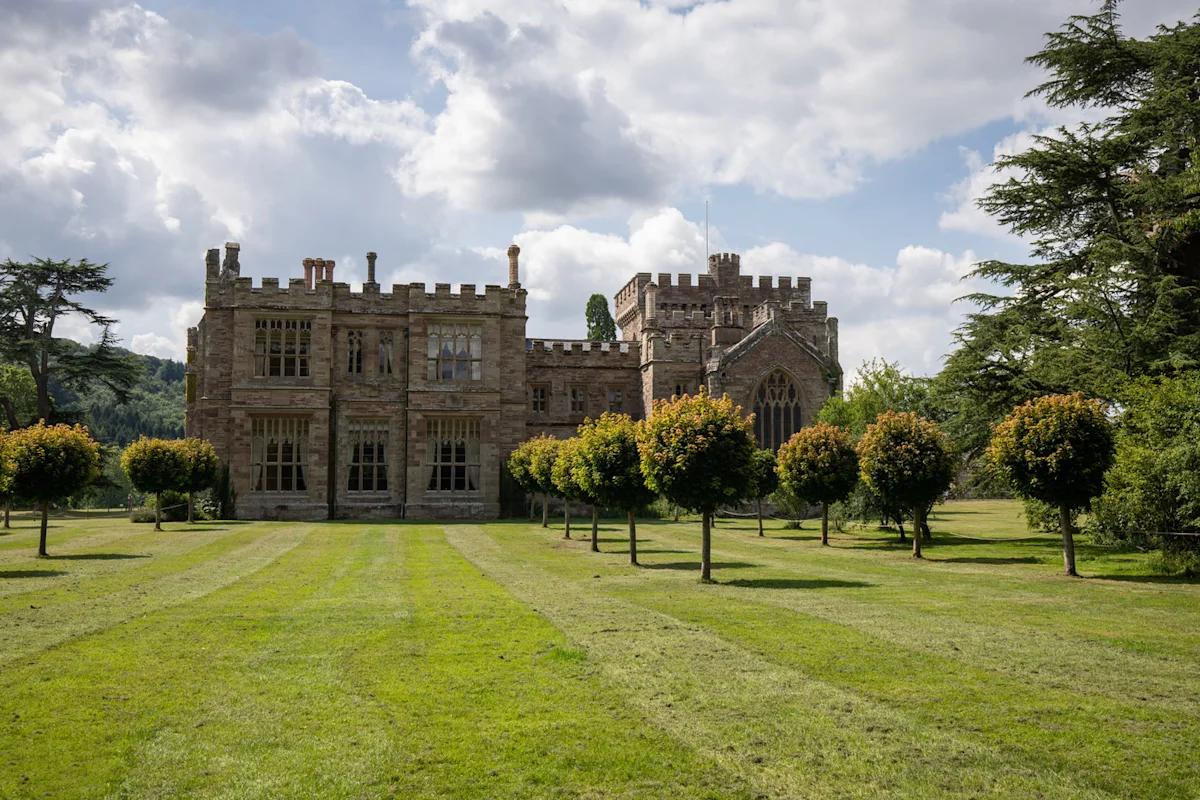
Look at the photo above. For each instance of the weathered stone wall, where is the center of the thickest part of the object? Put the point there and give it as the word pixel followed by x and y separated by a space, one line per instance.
pixel 721 329
pixel 596 367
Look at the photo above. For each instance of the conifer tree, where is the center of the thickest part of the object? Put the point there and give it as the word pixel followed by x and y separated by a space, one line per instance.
pixel 600 325
pixel 1113 214
pixel 33 297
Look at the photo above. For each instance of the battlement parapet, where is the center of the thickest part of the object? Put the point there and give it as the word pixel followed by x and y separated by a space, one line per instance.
pixel 724 259
pixel 403 298
pixel 796 311
pixel 582 353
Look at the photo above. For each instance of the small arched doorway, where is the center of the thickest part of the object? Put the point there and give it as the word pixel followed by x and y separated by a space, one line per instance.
pixel 778 410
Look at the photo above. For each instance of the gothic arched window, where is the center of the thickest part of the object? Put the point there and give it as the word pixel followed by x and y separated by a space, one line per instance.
pixel 777 410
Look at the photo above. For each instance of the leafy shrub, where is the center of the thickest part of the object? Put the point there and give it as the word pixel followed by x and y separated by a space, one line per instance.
pixel 174 508
pixel 1154 485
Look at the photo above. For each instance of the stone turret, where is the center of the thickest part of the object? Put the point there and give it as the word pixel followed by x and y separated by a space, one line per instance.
pixel 724 268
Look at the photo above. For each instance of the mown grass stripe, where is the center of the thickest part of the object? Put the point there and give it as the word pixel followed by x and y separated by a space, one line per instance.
pixel 789 733
pixel 1073 658
pixel 57 614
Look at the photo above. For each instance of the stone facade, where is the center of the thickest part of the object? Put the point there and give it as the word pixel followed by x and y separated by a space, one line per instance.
pixel 328 403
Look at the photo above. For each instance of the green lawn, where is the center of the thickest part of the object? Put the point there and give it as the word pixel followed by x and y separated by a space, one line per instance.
pixel 327 660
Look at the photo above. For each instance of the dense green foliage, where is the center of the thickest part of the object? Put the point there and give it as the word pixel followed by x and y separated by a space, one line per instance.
pixel 156 466
pixel 566 482
pixel 202 470
pixel 33 297
pixel 908 461
pixel 1113 213
pixel 766 481
pixel 1154 484
pixel 609 468
pixel 698 452
pixel 879 386
pixel 819 465
pixel 18 396
pixel 153 406
pixel 766 478
pixel 600 325
pixel 1055 449
pixel 48 463
pixel 532 467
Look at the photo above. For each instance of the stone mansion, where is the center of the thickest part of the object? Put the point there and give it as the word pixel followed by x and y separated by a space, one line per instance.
pixel 329 403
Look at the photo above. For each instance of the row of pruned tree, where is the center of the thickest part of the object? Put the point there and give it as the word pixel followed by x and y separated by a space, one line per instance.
pixel 698 453
pixel 187 466
pixel 43 464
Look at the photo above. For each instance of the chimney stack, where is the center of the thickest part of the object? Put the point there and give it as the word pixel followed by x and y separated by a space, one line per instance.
pixel 231 268
pixel 329 269
pixel 514 275
pixel 308 273
pixel 371 256
pixel 212 264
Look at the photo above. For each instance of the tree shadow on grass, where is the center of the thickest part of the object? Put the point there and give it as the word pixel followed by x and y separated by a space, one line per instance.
pixel 97 557
pixel 997 560
pixel 1183 580
pixel 651 550
pixel 816 537
pixel 695 565
pixel 30 573
pixel 797 583
pixel 947 543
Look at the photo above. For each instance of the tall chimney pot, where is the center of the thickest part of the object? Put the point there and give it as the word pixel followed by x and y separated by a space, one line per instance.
pixel 514 275
pixel 371 256
pixel 329 269
pixel 308 273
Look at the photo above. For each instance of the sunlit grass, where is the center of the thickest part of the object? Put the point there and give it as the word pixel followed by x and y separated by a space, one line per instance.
pixel 499 660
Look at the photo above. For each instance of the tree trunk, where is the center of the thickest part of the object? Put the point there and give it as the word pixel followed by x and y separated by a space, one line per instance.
pixel 632 539
pixel 191 507
pixel 545 512
pixel 42 541
pixel 532 505
pixel 10 413
pixel 158 511
pixel 902 539
pixel 824 524
pixel 595 529
pixel 916 537
pixel 677 512
pixel 758 502
pixel 1064 523
pixel 7 510
pixel 566 518
pixel 925 534
pixel 706 548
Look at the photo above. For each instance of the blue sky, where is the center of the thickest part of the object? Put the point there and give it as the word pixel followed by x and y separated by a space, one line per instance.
pixel 846 140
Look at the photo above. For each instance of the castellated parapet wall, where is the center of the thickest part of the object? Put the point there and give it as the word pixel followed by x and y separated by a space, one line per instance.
pixel 402 299
pixel 693 294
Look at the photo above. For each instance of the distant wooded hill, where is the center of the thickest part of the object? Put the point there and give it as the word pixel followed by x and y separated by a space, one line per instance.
pixel 154 406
